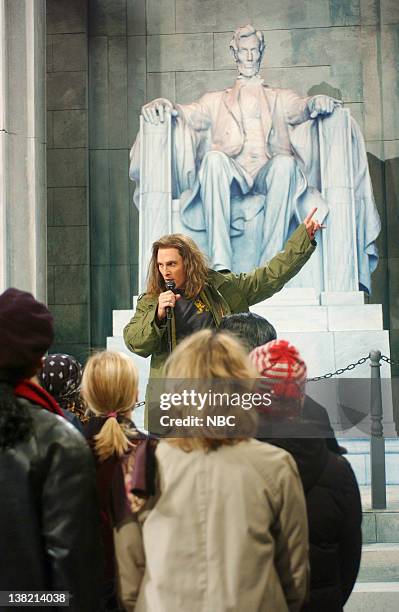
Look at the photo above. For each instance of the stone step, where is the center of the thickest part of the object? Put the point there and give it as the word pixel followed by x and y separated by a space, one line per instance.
pixel 344 298
pixel 359 457
pixel 380 526
pixel 374 597
pixel 120 318
pixel 323 351
pixel 380 563
pixel 289 317
pixel 300 296
pixel 294 310
pixel 307 296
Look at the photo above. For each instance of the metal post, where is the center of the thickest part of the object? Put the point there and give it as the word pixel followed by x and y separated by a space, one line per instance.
pixel 377 442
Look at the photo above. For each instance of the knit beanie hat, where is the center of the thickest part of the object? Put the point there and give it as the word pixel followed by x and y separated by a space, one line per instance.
pixel 26 330
pixel 281 364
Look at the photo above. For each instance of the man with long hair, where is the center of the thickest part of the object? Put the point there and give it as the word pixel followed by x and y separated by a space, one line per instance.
pixel 203 296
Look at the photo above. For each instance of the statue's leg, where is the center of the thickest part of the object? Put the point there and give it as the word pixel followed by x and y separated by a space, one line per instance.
pixel 215 176
pixel 278 179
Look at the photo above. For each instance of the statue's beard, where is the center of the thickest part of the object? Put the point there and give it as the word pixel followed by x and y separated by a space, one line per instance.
pixel 248 71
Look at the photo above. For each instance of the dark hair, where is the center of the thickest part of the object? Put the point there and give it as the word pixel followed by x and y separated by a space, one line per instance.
pixel 15 420
pixel 252 329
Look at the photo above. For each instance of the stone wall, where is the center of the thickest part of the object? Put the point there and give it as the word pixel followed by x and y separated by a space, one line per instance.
pixel 117 49
pixel 67 175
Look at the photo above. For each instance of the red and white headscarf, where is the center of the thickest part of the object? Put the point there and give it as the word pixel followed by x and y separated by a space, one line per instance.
pixel 281 364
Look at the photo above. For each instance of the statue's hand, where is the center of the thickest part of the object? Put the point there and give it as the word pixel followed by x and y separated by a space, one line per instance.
pixel 322 105
pixel 156 111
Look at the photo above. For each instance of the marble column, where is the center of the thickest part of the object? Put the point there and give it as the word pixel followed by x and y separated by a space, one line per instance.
pixel 22 146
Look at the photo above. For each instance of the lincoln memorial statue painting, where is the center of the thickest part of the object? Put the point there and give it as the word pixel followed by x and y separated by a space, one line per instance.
pixel 239 169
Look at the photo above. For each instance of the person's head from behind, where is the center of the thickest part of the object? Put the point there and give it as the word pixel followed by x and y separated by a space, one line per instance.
pixel 61 376
pixel 177 258
pixel 250 328
pixel 213 363
pixel 26 333
pixel 110 388
pixel 283 373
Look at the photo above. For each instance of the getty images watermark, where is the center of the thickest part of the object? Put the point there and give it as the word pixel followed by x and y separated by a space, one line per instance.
pixel 238 408
pixel 205 408
pixel 200 401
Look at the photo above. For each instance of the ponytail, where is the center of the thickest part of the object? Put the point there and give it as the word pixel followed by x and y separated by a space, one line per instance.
pixel 110 382
pixel 15 420
pixel 110 440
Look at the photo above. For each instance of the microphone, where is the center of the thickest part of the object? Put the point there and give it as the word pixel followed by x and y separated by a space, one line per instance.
pixel 170 286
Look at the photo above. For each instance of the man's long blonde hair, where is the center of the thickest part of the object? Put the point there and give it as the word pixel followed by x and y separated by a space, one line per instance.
pixel 195 265
pixel 110 384
pixel 207 356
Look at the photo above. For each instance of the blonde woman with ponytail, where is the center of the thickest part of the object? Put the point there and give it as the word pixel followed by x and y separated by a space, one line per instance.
pixel 109 387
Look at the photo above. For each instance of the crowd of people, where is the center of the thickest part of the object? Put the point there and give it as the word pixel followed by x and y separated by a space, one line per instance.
pixel 253 510
pixel 124 521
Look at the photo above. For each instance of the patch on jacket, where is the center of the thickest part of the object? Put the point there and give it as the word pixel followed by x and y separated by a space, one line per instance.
pixel 200 306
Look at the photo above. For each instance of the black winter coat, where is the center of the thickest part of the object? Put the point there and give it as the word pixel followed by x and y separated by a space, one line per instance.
pixel 49 517
pixel 334 516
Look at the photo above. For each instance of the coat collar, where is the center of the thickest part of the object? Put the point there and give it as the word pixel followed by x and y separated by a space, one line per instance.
pixel 230 99
pixel 31 391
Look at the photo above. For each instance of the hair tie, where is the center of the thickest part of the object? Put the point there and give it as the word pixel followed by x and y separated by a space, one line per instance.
pixel 111 414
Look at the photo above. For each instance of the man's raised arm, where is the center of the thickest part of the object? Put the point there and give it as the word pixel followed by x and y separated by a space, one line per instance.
pixel 268 279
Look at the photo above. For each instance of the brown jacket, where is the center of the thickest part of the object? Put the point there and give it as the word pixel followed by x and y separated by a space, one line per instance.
pixel 228 533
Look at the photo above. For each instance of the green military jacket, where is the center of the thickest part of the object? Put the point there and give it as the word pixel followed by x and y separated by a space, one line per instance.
pixel 224 294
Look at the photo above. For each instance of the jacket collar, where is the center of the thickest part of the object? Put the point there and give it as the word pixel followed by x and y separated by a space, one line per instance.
pixel 32 392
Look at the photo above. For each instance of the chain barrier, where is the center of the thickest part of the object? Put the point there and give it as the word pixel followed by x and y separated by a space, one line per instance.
pixel 338 372
pixel 351 366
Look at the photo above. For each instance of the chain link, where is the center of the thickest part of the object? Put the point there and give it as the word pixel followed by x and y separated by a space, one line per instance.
pixel 340 371
pixel 351 366
pixel 389 360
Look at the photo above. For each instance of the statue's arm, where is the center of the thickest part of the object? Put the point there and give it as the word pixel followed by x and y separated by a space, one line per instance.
pixel 142 334
pixel 298 109
pixel 263 282
pixel 196 114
